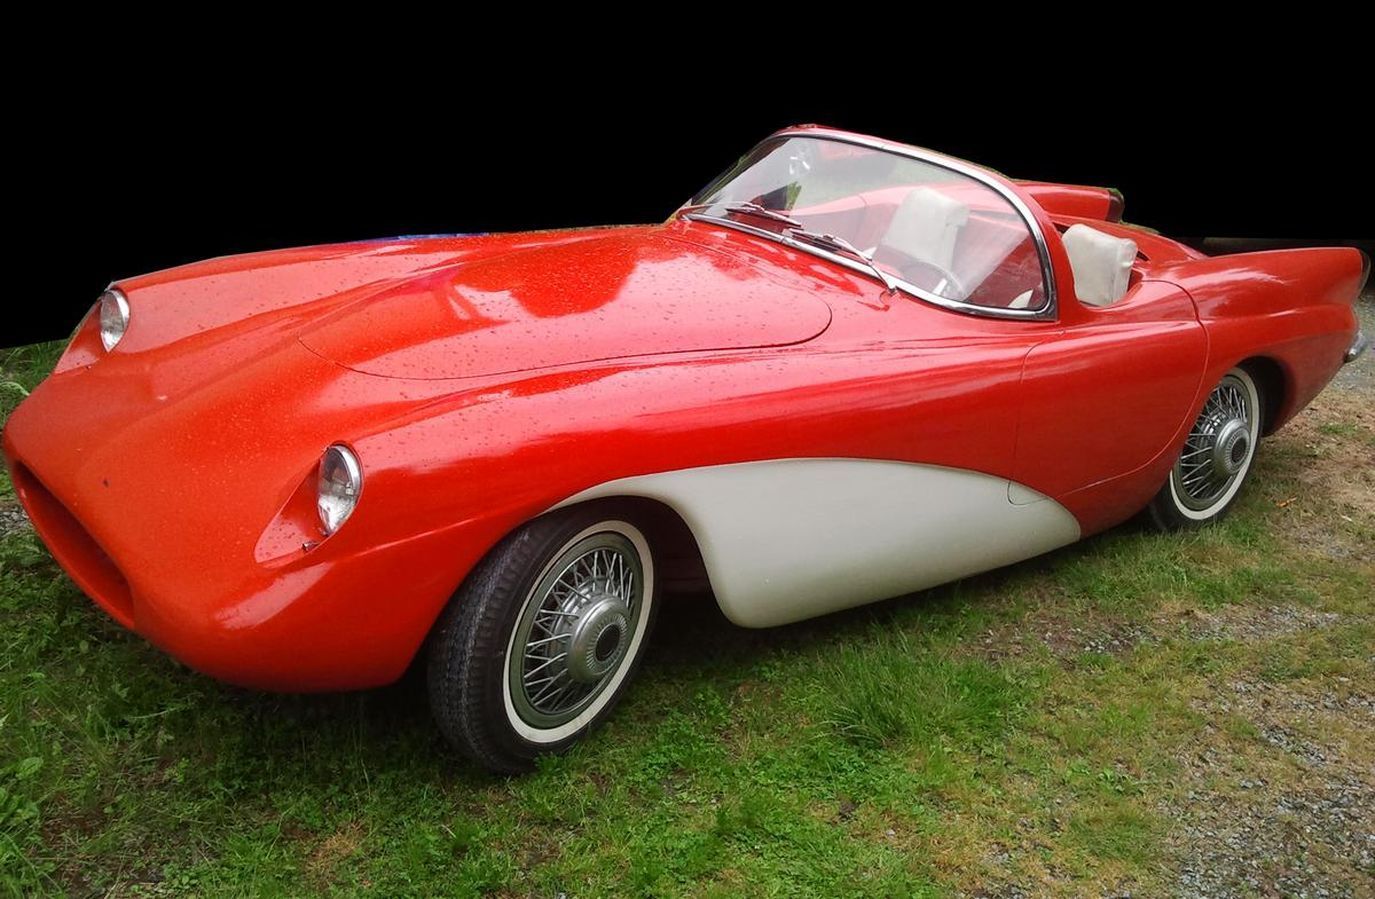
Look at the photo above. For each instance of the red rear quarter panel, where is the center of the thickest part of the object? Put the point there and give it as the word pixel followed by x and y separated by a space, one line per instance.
pixel 1295 308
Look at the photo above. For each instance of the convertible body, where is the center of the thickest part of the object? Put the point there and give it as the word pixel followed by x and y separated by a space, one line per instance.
pixel 825 439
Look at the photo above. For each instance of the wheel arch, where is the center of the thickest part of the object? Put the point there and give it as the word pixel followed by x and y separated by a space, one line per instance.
pixel 678 554
pixel 1275 390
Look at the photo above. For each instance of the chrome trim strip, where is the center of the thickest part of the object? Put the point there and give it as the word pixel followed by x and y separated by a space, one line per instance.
pixel 1358 346
pixel 1048 311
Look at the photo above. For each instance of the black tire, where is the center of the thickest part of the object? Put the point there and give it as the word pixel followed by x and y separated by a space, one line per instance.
pixel 1217 456
pixel 520 587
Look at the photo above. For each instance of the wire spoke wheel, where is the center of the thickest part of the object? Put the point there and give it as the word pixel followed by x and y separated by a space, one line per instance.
pixel 1218 451
pixel 545 635
pixel 573 634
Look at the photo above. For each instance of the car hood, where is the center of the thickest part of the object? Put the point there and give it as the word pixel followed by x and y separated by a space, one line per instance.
pixel 630 292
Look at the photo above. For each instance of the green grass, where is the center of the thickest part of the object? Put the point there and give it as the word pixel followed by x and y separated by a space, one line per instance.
pixel 21 368
pixel 929 745
pixel 893 690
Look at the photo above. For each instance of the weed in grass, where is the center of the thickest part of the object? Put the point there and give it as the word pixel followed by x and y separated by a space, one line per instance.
pixel 895 689
pixel 21 370
pixel 1340 429
pixel 1115 830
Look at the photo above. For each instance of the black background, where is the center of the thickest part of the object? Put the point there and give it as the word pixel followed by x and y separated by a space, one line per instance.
pixel 133 172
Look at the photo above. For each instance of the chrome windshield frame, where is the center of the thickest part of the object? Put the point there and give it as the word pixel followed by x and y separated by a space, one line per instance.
pixel 1048 311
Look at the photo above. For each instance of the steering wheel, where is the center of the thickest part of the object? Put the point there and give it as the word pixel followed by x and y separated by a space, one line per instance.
pixel 944 281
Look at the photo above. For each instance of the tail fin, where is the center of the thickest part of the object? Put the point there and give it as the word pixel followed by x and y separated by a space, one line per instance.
pixel 1102 203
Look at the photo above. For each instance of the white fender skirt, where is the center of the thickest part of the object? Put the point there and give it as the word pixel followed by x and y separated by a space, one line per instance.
pixel 789 539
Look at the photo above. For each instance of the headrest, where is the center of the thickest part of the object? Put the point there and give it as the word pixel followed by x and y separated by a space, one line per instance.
pixel 1101 263
pixel 926 226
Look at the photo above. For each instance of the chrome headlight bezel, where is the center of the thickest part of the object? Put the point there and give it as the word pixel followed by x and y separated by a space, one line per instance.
pixel 113 317
pixel 338 485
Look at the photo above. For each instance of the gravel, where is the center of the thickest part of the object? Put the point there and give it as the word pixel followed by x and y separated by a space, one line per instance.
pixel 12 518
pixel 1311 842
pixel 1251 624
pixel 1301 822
pixel 1066 643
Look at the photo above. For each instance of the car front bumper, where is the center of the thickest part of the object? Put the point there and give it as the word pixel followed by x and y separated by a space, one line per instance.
pixel 333 622
pixel 160 510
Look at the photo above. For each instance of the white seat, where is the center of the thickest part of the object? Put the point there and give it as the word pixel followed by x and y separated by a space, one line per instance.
pixel 926 226
pixel 1102 264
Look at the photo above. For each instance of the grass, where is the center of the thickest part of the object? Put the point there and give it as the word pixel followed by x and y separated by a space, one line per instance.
pixel 1031 726
pixel 21 368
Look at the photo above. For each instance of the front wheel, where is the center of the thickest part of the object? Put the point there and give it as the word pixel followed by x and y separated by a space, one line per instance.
pixel 542 639
pixel 1216 457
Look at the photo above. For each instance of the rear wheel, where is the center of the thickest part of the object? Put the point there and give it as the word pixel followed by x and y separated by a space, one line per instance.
pixel 542 640
pixel 1216 458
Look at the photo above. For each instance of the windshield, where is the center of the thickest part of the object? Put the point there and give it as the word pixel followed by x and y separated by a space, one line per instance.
pixel 928 229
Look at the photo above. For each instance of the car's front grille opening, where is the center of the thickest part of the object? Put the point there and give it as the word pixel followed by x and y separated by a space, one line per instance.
pixel 74 548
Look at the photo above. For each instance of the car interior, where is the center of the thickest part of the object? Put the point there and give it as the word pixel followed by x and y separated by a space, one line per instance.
pixel 971 248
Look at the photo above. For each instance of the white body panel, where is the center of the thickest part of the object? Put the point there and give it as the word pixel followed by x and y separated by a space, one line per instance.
pixel 790 539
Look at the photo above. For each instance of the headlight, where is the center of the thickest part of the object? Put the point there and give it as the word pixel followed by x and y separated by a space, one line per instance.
pixel 114 317
pixel 338 487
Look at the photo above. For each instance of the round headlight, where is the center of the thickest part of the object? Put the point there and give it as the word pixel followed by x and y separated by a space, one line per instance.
pixel 338 488
pixel 114 317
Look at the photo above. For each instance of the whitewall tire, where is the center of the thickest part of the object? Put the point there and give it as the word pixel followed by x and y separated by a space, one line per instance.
pixel 545 635
pixel 1216 457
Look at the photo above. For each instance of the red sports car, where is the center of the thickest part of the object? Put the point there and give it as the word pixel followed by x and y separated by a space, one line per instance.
pixel 847 370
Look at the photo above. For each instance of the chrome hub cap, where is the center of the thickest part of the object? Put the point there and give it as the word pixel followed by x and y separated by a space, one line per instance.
pixel 1218 447
pixel 1230 450
pixel 575 630
pixel 597 640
